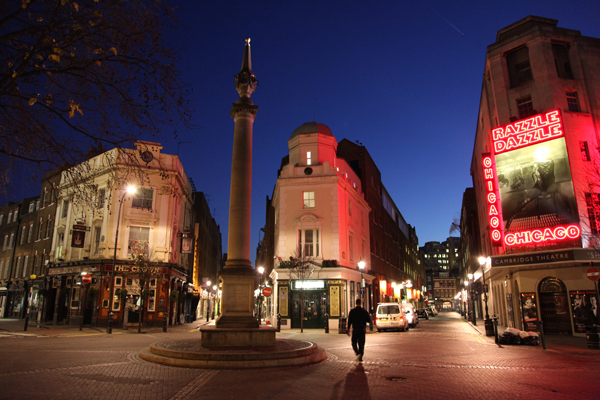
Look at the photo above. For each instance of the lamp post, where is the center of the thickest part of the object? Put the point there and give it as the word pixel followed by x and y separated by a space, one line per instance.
pixel 472 308
pixel 361 266
pixel 261 271
pixel 130 190
pixel 488 323
pixel 466 303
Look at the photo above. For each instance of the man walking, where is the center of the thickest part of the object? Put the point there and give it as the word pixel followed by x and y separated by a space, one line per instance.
pixel 357 320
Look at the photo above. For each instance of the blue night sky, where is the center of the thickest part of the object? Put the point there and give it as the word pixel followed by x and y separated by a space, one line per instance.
pixel 403 78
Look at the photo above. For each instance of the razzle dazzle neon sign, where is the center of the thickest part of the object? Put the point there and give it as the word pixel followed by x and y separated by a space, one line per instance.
pixel 537 129
pixel 493 199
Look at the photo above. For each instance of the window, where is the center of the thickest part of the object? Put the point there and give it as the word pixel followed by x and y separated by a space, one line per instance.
pixel 7 269
pixel 350 207
pixel 60 245
pixel 15 215
pixel 561 61
pixel 573 101
pixel 1 269
pixel 351 247
pixel 585 151
pixel 101 198
pixel 308 158
pixel 97 231
pixel 9 217
pixel 309 199
pixel 49 228
pixel 151 302
pixel 143 199
pixel 18 267
pixel 65 209
pixel 34 267
pixel 1 218
pixel 30 234
pixel 40 229
pixel 23 234
pixel 519 68
pixel 138 238
pixel 46 198
pixel 32 206
pixel 37 204
pixel 12 241
pixel 308 242
pixel 25 265
pixel 5 242
pixel 75 297
pixel 525 107
pixel 593 207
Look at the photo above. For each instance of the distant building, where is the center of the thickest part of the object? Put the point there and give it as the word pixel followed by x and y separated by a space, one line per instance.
pixel 534 170
pixel 440 260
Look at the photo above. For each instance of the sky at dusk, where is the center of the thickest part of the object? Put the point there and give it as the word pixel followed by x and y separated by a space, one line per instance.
pixel 403 78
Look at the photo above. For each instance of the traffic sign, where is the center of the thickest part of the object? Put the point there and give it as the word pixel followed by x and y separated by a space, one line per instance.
pixel 593 274
pixel 85 279
pixel 267 291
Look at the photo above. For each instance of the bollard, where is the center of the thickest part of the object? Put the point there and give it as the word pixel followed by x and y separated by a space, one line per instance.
pixel 541 328
pixel 278 322
pixel 207 316
pixel 165 319
pixel 110 321
pixel 326 323
pixel 495 319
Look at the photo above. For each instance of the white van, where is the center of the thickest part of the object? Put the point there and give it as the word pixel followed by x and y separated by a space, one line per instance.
pixel 391 316
pixel 411 315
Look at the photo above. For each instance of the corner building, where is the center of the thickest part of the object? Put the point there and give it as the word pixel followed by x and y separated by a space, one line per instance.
pixel 533 170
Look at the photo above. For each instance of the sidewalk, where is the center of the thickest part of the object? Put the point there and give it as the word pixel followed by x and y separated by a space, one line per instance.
pixel 552 341
pixel 16 327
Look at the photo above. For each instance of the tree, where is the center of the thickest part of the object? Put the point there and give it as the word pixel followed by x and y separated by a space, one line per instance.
pixel 301 269
pixel 76 74
pixel 144 273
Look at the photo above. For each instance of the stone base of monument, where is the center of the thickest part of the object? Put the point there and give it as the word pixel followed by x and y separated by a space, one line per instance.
pixel 237 337
pixel 190 354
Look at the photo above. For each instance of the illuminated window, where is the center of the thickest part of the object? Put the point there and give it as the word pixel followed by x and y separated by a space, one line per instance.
pixel 101 197
pixel 143 199
pixel 138 238
pixel 525 107
pixel 60 245
pixel 573 101
pixel 519 68
pixel 308 158
pixel 585 151
pixel 309 242
pixel 309 199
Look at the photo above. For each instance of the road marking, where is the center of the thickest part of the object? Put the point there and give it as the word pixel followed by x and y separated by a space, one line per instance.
pixel 195 385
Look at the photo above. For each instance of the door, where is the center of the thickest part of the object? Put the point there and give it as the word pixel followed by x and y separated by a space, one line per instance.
pixel 314 309
pixel 554 307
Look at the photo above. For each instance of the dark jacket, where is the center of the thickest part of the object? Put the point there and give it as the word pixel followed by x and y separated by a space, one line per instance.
pixel 358 319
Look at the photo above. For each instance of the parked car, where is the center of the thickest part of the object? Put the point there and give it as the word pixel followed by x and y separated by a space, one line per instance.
pixel 422 313
pixel 411 315
pixel 391 316
pixel 432 311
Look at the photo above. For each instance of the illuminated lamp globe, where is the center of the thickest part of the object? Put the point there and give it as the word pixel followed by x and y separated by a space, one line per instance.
pixel 361 264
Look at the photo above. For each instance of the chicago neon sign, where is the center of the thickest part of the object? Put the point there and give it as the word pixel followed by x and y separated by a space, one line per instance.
pixel 537 129
pixel 551 234
pixel 493 199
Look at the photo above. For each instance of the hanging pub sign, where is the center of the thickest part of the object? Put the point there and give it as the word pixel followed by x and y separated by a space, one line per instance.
pixel 78 239
pixel 528 184
pixel 186 245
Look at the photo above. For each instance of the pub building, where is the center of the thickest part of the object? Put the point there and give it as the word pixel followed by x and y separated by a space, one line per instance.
pixel 534 170
pixel 151 221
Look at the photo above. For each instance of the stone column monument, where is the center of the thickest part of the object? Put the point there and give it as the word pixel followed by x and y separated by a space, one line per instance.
pixel 237 326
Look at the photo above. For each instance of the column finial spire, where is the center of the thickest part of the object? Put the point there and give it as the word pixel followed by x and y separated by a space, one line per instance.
pixel 245 81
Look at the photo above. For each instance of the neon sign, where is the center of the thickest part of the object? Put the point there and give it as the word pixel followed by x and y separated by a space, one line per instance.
pixel 542 235
pixel 493 199
pixel 537 129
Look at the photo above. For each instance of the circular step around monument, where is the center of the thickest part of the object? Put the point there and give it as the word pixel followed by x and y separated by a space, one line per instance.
pixel 189 354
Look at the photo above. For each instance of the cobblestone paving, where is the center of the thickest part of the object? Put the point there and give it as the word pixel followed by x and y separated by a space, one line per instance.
pixel 443 358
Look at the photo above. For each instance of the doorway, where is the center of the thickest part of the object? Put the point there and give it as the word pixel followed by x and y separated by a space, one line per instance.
pixel 314 309
pixel 554 307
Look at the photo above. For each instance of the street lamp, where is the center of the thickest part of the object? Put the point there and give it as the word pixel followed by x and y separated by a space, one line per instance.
pixel 473 317
pixel 361 266
pixel 130 190
pixel 466 303
pixel 489 325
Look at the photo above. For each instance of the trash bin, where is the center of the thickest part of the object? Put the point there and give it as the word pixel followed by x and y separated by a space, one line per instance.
pixel 342 325
pixel 592 336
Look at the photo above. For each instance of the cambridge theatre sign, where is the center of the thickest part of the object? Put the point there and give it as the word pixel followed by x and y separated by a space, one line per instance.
pixel 567 255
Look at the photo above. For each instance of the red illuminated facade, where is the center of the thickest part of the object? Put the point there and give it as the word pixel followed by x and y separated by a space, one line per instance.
pixel 533 170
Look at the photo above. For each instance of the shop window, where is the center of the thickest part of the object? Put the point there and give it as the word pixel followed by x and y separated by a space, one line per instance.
pixel 151 302
pixel 519 67
pixel 561 61
pixel 75 291
pixel 573 101
pixel 525 107
pixel 143 199
pixel 309 199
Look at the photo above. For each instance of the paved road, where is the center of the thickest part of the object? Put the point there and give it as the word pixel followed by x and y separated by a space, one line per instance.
pixel 443 358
